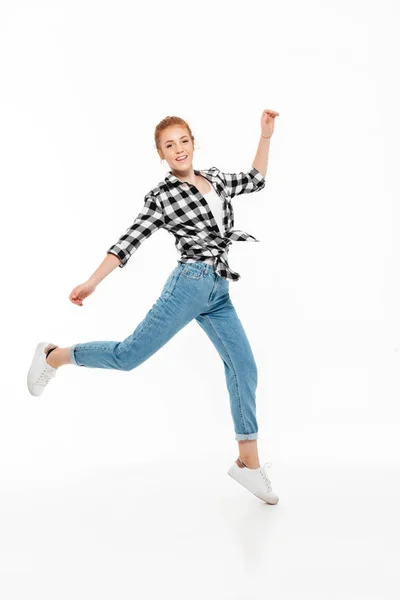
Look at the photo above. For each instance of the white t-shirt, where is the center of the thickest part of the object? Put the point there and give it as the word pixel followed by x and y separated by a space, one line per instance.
pixel 216 207
pixel 215 204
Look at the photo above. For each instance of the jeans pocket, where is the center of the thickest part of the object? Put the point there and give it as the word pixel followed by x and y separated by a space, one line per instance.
pixel 170 283
pixel 191 272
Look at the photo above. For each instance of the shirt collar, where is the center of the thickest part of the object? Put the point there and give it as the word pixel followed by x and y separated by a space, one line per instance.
pixel 170 178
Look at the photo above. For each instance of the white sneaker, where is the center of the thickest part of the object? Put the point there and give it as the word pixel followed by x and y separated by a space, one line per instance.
pixel 255 480
pixel 40 371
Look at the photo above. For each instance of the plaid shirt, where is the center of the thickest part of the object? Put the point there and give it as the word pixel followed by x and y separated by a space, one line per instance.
pixel 179 207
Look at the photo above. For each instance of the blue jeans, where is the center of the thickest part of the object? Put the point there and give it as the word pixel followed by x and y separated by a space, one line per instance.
pixel 192 291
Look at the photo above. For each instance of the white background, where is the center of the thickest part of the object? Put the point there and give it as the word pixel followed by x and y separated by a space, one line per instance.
pixel 113 484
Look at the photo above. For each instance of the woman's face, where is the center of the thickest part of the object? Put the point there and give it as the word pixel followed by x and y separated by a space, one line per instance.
pixel 175 144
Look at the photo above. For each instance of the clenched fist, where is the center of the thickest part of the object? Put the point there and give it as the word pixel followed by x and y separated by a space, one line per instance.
pixel 82 291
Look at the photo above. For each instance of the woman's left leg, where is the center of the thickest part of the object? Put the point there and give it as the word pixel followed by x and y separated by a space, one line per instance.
pixel 225 330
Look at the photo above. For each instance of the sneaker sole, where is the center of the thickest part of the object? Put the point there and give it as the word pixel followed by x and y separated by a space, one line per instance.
pixel 39 349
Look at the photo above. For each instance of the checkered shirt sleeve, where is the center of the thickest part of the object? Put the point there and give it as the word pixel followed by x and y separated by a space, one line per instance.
pixel 147 222
pixel 243 182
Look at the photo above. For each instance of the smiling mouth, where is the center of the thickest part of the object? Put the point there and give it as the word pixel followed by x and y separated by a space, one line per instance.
pixel 181 159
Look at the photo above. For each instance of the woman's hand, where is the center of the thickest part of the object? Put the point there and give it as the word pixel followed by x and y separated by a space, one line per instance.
pixel 267 122
pixel 82 291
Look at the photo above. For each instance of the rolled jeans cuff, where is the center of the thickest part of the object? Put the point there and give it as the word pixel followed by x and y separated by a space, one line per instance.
pixel 246 436
pixel 72 355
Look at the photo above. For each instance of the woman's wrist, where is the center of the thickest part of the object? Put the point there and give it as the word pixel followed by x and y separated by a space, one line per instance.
pixel 266 137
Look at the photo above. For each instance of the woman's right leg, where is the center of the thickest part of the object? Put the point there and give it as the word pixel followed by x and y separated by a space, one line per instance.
pixel 176 307
pixel 58 357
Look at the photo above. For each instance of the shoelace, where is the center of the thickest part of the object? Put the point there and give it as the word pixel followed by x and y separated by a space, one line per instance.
pixel 46 375
pixel 263 473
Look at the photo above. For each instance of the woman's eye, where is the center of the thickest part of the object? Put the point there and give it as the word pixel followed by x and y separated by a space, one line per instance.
pixel 184 141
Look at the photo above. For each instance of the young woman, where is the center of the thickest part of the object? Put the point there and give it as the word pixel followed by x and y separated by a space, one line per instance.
pixel 195 207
